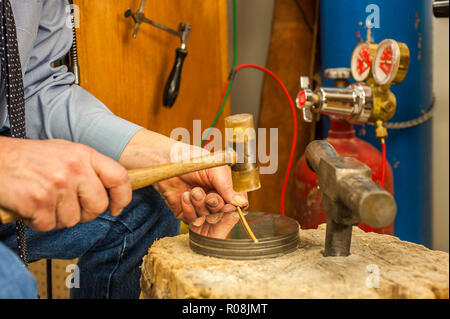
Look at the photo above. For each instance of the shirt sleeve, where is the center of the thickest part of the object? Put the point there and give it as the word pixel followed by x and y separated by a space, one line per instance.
pixel 55 107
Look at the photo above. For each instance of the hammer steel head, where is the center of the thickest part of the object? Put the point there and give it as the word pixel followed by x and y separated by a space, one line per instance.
pixel 315 151
pixel 348 181
pixel 378 209
pixel 375 206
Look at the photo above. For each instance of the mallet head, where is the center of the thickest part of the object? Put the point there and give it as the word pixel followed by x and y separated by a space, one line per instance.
pixel 240 135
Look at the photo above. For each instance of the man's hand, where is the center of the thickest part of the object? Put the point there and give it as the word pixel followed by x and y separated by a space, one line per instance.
pixel 205 199
pixel 57 184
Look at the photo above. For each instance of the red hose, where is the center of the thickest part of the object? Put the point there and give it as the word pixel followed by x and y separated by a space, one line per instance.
pixel 383 164
pixel 294 117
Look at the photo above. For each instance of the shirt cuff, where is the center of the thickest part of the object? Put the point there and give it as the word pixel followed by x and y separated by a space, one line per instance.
pixel 110 135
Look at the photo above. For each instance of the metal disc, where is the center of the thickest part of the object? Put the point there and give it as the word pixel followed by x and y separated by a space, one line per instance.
pixel 277 235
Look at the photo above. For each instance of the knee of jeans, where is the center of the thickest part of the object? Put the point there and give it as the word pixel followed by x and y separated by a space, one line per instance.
pixel 16 281
pixel 149 199
pixel 147 211
pixel 149 196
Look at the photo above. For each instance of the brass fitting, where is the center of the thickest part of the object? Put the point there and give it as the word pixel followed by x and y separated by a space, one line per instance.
pixel 384 104
pixel 380 130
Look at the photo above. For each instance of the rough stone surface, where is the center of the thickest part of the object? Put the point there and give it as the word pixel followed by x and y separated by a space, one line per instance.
pixel 406 270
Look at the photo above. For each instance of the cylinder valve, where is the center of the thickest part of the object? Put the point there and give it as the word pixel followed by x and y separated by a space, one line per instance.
pixel 375 67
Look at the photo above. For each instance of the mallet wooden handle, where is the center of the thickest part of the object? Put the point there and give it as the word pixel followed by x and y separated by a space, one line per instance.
pixel 143 177
pixel 7 216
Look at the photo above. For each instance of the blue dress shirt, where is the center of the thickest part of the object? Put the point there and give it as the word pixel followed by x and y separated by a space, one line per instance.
pixel 55 107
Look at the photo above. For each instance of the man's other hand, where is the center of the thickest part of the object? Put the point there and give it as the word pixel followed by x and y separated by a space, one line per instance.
pixel 57 184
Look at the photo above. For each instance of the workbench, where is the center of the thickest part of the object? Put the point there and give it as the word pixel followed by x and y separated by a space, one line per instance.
pixel 380 266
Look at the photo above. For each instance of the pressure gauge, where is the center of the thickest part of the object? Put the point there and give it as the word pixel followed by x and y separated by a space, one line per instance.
pixel 391 62
pixel 362 60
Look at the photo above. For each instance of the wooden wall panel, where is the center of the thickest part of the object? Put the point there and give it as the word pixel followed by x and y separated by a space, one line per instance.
pixel 59 276
pixel 129 75
pixel 289 57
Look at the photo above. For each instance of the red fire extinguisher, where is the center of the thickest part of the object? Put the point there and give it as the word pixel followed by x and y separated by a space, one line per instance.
pixel 342 136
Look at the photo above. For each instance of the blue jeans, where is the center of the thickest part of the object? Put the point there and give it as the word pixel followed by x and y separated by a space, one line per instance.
pixel 110 250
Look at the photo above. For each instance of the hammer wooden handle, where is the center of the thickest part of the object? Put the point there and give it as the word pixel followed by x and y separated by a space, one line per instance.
pixel 143 177
pixel 7 216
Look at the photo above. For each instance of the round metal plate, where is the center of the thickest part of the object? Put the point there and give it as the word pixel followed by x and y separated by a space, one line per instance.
pixel 277 235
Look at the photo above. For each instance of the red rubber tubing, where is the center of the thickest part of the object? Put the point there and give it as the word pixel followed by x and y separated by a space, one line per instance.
pixel 383 163
pixel 294 117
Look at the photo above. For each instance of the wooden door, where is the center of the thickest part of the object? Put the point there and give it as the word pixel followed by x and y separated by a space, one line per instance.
pixel 129 75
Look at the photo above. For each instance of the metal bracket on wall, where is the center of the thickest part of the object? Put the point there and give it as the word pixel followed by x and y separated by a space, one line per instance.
pixel 440 8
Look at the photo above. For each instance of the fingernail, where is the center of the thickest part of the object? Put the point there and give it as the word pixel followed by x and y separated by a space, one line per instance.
pixel 198 195
pixel 213 218
pixel 239 200
pixel 213 202
pixel 187 198
pixel 235 215
pixel 117 213
pixel 199 221
pixel 228 208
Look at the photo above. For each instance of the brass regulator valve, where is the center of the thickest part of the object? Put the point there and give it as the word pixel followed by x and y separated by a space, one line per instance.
pixel 375 67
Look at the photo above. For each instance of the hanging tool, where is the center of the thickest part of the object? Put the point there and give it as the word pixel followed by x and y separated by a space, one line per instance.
pixel 348 196
pixel 173 83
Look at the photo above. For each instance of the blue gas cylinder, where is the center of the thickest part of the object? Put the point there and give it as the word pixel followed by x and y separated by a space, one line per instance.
pixel 343 25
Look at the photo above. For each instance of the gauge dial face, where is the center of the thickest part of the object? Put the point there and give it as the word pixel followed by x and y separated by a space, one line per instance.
pixel 361 62
pixel 386 61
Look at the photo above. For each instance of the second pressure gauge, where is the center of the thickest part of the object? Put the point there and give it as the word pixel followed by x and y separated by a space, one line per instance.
pixel 391 62
pixel 362 60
